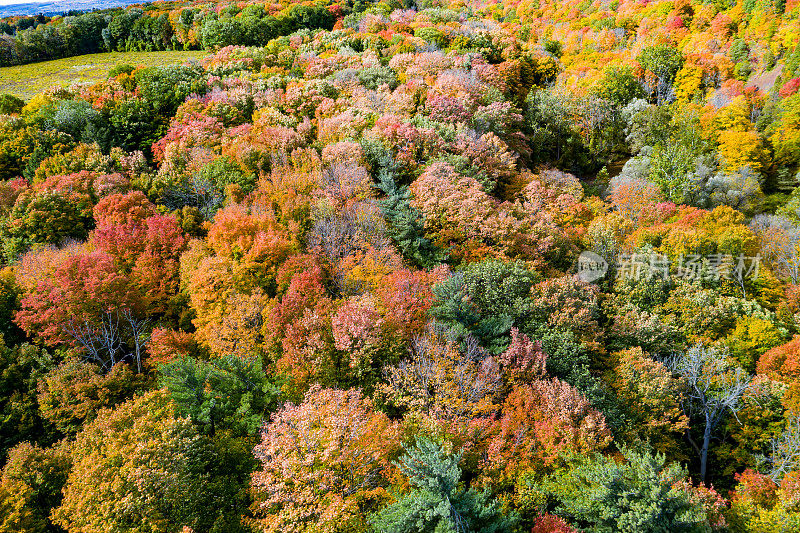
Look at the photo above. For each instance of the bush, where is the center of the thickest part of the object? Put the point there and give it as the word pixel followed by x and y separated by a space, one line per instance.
pixel 120 69
pixel 10 104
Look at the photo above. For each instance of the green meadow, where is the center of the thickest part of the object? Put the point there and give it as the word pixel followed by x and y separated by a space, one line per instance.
pixel 26 81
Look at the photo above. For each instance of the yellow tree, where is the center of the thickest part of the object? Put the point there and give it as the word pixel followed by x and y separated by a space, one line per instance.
pixel 648 392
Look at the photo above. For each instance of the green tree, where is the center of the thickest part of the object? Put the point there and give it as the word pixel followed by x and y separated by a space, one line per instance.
pixel 486 300
pixel 438 501
pixel 619 85
pixel 640 495
pixel 663 62
pixel 406 226
pixel 21 367
pixel 115 35
pixel 77 118
pixel 223 172
pixel 116 70
pixel 217 33
pixel 140 469
pixel 165 88
pixel 670 168
pixel 46 217
pixel 227 400
pixel 553 47
pixel 134 125
pixel 10 293
pixel 17 143
pixel 228 393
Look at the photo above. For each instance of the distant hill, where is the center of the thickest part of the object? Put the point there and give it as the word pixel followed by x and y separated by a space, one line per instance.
pixel 60 6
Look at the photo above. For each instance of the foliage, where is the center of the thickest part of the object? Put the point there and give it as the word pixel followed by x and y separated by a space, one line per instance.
pixel 21 368
pixel 10 104
pixel 324 463
pixel 405 224
pixel 485 300
pixel 714 389
pixel 540 422
pixel 72 393
pixel 651 394
pixel 750 339
pixel 620 86
pixel 641 493
pixel 43 218
pixel 781 361
pixel 138 467
pixel 437 501
pixel 30 486
pixel 382 214
pixel 444 378
pixel 224 394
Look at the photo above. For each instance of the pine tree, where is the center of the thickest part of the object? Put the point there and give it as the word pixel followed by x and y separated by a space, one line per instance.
pixel 643 494
pixel 405 224
pixel 438 503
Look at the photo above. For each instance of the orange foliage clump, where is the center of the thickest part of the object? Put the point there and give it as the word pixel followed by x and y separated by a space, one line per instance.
pixel 782 362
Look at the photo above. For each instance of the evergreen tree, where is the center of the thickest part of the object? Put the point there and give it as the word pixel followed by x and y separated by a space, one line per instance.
pixel 228 393
pixel 643 494
pixel 438 503
pixel 405 224
pixel 486 300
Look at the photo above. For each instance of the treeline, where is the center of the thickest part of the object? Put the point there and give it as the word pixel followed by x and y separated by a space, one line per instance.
pixel 151 28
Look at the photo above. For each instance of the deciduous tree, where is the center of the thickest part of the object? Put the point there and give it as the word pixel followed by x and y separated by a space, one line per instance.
pixel 325 463
pixel 139 468
pixel 714 388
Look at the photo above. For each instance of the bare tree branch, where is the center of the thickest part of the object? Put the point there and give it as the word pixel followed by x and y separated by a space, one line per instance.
pixel 714 388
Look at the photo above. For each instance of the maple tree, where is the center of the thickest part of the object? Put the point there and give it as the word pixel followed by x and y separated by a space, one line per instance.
pixel 540 421
pixel 442 379
pixel 651 394
pixel 74 392
pixel 781 361
pixel 335 449
pixel 138 466
pixel 30 486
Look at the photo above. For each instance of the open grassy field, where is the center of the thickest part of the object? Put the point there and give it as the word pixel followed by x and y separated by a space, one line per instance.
pixel 26 81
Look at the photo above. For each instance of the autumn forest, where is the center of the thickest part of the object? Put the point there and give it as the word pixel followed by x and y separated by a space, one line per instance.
pixel 404 266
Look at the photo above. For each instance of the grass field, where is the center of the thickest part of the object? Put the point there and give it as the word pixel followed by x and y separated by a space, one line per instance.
pixel 26 81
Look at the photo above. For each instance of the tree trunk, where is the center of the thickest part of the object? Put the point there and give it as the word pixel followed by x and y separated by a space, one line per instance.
pixel 704 450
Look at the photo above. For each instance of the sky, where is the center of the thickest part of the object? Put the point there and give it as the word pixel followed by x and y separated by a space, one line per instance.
pixel 10 2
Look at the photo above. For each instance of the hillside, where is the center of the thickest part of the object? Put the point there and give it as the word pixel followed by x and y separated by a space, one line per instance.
pixel 58 7
pixel 26 81
pixel 396 267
